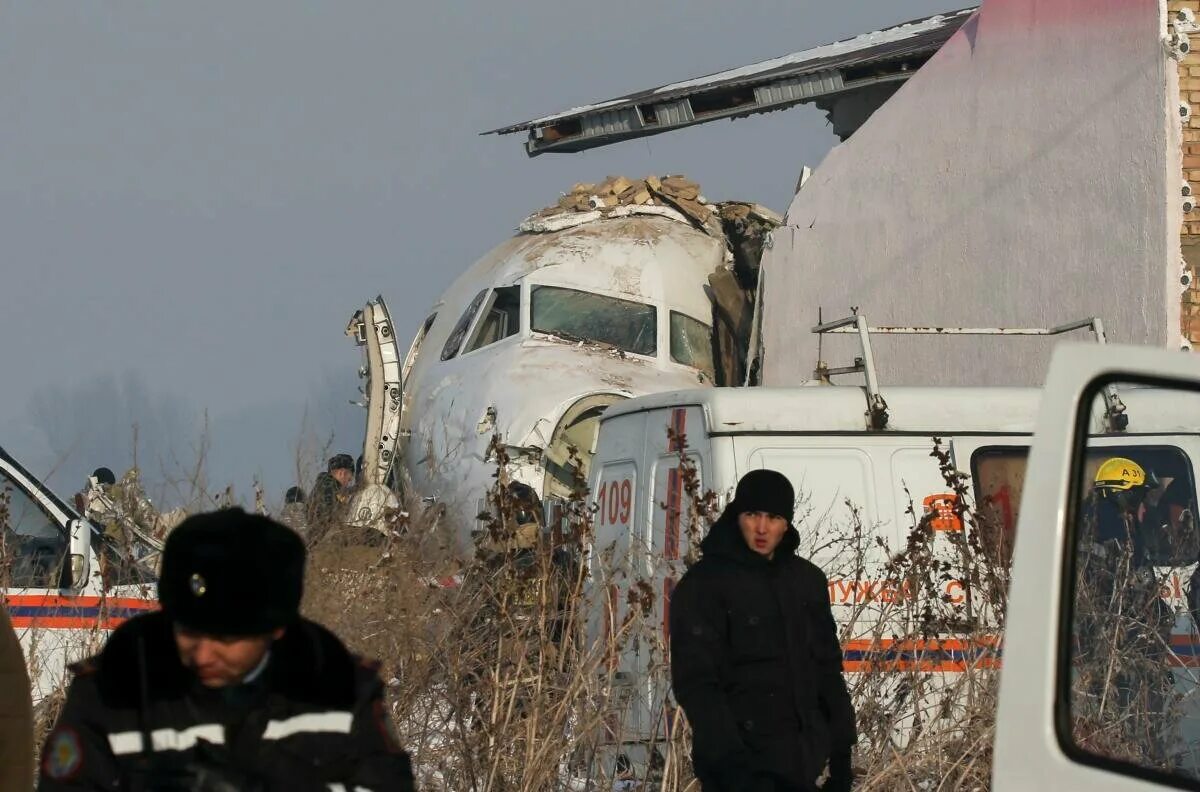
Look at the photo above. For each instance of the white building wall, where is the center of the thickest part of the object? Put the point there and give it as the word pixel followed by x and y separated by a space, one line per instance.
pixel 1029 174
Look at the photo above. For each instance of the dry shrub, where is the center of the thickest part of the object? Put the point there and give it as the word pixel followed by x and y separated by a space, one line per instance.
pixel 1124 700
pixel 495 684
pixel 925 623
pixel 490 681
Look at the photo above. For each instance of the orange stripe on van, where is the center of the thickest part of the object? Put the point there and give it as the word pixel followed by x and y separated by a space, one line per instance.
pixel 52 611
pixel 938 654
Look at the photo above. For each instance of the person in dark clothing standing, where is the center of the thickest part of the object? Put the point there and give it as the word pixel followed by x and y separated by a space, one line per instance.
pixel 226 688
pixel 755 659
pixel 331 491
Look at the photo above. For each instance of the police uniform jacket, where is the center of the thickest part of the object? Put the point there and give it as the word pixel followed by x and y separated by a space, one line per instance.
pixel 757 667
pixel 313 719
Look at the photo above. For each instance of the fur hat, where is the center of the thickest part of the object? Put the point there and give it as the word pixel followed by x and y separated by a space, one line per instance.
pixel 232 573
pixel 764 491
pixel 341 462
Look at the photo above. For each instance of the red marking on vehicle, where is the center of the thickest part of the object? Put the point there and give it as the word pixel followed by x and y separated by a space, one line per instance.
pixel 668 590
pixel 678 439
pixel 674 504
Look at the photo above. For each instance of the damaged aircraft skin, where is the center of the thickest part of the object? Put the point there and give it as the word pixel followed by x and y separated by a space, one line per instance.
pixel 531 344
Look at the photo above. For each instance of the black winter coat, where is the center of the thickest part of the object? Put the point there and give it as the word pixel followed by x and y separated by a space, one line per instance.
pixel 324 503
pixel 313 720
pixel 756 665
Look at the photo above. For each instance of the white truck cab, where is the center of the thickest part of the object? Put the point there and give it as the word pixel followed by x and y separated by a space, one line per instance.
pixel 656 455
pixel 65 585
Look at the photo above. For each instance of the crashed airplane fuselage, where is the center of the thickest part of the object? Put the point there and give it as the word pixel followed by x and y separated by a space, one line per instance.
pixel 531 343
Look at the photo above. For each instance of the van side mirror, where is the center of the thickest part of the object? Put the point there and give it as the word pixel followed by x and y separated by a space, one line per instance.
pixel 79 552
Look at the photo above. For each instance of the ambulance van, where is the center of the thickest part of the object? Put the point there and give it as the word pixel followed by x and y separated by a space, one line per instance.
pixel 866 472
pixel 65 584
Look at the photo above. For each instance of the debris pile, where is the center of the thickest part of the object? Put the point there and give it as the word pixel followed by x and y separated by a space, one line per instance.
pixel 678 192
pixel 128 518
pixel 617 196
pixel 672 195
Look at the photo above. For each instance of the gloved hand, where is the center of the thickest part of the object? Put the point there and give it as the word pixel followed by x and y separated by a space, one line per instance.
pixel 737 773
pixel 208 769
pixel 840 774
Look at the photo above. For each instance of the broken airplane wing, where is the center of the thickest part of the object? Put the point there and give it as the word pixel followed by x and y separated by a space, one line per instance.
pixel 848 79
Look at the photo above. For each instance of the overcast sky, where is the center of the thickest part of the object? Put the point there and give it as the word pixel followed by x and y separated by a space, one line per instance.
pixel 196 196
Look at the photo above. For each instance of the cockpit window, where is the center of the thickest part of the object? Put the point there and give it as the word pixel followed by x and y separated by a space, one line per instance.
pixel 691 343
pixel 414 350
pixel 501 319
pixel 583 316
pixel 460 330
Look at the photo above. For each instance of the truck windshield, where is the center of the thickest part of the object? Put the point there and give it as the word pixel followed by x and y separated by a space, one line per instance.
pixel 584 316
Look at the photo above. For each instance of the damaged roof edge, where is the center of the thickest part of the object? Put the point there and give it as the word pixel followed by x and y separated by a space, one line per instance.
pixel 845 67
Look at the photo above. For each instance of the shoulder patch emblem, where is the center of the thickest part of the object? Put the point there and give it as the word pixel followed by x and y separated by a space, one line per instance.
pixel 63 756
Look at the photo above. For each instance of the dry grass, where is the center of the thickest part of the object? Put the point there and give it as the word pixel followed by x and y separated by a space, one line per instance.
pixel 494 685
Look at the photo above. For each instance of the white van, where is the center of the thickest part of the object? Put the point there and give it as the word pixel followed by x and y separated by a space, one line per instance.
pixel 65 584
pixel 863 486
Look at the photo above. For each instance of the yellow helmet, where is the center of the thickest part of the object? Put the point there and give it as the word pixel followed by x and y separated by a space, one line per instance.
pixel 1120 475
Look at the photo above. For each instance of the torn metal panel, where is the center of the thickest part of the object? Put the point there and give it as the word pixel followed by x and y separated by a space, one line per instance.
pixel 866 68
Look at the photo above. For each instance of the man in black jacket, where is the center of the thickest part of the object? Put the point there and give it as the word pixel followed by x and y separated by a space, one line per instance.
pixel 755 659
pixel 331 491
pixel 226 688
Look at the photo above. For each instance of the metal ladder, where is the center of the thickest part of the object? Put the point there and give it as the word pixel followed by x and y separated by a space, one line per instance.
pixel 1116 419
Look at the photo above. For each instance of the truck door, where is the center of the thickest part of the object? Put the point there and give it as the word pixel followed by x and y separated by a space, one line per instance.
pixel 1090 694
pixel 617 560
pixel 676 524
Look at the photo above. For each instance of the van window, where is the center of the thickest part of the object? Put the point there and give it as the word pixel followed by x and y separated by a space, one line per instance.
pixel 460 330
pixel 1166 528
pixel 501 318
pixel 999 476
pixel 33 543
pixel 691 343
pixel 583 316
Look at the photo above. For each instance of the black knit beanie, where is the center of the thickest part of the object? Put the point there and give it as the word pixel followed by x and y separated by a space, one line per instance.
pixel 764 491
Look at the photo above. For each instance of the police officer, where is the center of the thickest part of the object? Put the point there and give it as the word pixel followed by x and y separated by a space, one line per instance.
pixel 227 687
pixel 755 659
